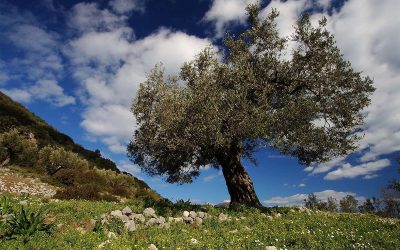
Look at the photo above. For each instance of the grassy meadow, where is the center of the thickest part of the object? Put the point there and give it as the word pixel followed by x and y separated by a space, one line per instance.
pixel 246 229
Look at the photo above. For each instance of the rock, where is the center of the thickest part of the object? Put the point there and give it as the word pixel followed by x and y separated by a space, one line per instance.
pixel 130 226
pixel 198 221
pixel 149 212
pixel 246 228
pixel 201 215
pixel 277 215
pixel 116 214
pixel 222 217
pixel 242 218
pixel 160 220
pixel 270 248
pixel 127 211
pixel 292 211
pixel 170 219
pixel 102 245
pixel 193 214
pixel 165 225
pixel 111 235
pixel 151 221
pixel 233 231
pixel 91 224
pixel 178 219
pixel 153 247
pixel 186 214
pixel 124 218
pixel 188 219
pixel 194 241
pixel 269 217
pixel 139 218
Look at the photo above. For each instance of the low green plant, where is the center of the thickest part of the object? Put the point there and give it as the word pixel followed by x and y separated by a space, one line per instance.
pixel 5 206
pixel 26 222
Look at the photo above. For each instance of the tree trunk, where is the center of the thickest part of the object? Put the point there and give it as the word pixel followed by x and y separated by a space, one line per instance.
pixel 237 180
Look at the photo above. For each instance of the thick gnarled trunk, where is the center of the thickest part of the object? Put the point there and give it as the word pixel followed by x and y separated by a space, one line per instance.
pixel 240 186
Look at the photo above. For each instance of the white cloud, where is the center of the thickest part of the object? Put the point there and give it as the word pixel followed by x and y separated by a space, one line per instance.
pixel 89 17
pixel 366 169
pixel 370 176
pixel 225 12
pixel 18 95
pixel 33 71
pixel 111 63
pixel 45 90
pixel 302 185
pixel 298 199
pixel 125 6
pixel 209 178
pixel 128 167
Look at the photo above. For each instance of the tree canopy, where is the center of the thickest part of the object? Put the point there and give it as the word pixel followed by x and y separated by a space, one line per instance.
pixel 222 106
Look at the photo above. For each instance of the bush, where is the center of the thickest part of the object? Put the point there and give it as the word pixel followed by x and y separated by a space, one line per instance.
pixel 89 192
pixel 53 159
pixel 65 176
pixel 19 148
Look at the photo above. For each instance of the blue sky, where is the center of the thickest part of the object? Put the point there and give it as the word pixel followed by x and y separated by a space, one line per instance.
pixel 78 64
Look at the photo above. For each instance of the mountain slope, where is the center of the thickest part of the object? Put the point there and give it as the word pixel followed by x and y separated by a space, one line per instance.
pixel 15 115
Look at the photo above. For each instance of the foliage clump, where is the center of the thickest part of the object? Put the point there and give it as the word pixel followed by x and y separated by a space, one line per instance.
pixel 76 177
pixel 53 159
pixel 18 148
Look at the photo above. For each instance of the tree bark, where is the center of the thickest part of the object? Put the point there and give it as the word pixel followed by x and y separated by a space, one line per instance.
pixel 240 186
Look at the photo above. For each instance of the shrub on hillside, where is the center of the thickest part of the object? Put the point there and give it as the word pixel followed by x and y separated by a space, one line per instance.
pixel 53 159
pixel 89 192
pixel 66 176
pixel 18 148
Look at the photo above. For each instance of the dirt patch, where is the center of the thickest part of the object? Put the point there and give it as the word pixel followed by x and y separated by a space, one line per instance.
pixel 14 183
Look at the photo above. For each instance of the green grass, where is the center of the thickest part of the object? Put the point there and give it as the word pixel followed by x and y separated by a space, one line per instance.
pixel 294 230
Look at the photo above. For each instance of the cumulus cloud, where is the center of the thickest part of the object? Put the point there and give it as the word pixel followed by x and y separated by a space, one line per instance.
pixel 34 71
pixel 298 199
pixel 129 167
pixel 86 17
pixel 125 6
pixel 366 169
pixel 45 90
pixel 110 63
pixel 225 12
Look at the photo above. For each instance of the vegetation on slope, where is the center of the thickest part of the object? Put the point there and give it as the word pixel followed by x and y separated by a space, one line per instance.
pixel 13 114
pixel 29 142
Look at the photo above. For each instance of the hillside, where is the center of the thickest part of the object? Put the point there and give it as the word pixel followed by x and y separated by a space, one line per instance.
pixel 13 114
pixel 93 175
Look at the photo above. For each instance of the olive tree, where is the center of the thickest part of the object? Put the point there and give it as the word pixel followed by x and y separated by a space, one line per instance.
pixel 221 108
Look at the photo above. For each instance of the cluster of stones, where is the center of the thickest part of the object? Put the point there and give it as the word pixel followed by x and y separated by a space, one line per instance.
pixel 11 182
pixel 149 218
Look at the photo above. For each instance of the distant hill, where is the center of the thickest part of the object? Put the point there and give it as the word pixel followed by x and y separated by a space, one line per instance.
pixel 15 115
